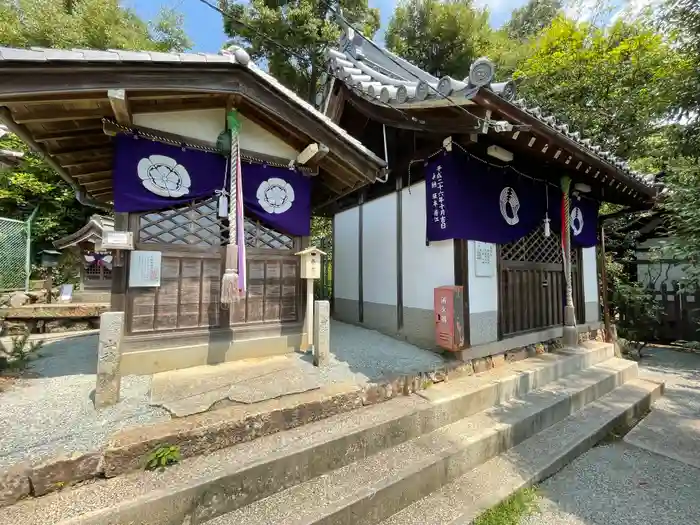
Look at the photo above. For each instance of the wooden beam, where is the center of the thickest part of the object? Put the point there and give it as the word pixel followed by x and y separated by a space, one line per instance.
pixel 85 131
pixel 64 98
pixel 158 95
pixel 208 103
pixel 104 184
pixel 90 149
pixel 93 175
pixel 120 106
pixel 312 154
pixel 58 116
pixel 91 160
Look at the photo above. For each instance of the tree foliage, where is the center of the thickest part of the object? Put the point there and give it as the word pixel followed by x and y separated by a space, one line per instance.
pixel 292 36
pixel 96 24
pixel 33 184
pixel 532 18
pixel 442 37
pixel 615 83
pixel 89 24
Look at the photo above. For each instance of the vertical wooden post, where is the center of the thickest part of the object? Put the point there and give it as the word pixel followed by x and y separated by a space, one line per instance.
pixel 604 287
pixel 119 273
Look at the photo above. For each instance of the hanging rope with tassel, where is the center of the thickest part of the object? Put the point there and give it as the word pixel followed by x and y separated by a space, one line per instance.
pixel 566 239
pixel 230 282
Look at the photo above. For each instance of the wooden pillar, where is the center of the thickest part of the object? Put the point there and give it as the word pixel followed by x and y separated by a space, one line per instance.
pixel 604 288
pixel 119 273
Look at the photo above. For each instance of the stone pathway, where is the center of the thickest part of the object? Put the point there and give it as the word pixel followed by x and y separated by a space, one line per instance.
pixel 358 356
pixel 650 478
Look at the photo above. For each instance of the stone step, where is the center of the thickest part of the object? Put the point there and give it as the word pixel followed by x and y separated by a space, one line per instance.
pixel 367 491
pixel 463 500
pixel 247 472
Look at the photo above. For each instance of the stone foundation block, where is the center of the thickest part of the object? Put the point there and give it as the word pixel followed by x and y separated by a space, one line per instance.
pixel 14 484
pixel 61 472
pixel 322 333
pixel 481 365
pixel 516 355
pixel 498 360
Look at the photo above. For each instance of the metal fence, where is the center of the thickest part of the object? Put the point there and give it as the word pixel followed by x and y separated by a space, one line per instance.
pixel 15 247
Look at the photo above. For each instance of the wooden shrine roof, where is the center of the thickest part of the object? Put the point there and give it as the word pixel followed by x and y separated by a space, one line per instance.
pixel 91 232
pixel 398 93
pixel 56 100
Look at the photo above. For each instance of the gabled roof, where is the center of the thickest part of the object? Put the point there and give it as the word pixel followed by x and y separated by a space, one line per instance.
pixel 91 232
pixel 41 88
pixel 385 79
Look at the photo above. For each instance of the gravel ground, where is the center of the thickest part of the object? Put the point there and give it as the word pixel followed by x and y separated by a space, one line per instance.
pixel 681 372
pixel 366 355
pixel 54 413
pixel 620 484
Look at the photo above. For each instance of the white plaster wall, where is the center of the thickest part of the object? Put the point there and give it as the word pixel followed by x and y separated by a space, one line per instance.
pixel 346 230
pixel 656 272
pixel 483 291
pixel 206 124
pixel 379 273
pixel 590 274
pixel 424 267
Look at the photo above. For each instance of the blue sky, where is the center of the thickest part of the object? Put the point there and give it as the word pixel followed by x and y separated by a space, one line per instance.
pixel 204 25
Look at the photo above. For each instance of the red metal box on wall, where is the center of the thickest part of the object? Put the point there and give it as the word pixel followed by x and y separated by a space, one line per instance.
pixel 449 317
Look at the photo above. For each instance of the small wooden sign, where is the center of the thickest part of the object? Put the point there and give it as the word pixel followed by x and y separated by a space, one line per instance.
pixel 114 240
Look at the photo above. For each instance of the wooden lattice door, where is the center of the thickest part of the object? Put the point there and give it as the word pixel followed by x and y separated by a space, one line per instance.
pixel 532 285
pixel 192 239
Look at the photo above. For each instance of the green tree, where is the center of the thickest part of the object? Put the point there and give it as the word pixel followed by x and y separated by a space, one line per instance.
pixel 33 184
pixel 306 28
pixel 97 24
pixel 682 17
pixel 91 24
pixel 616 83
pixel 532 18
pixel 441 37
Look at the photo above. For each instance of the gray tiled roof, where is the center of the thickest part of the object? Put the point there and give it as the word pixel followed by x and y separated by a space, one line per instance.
pixel 232 57
pixel 385 78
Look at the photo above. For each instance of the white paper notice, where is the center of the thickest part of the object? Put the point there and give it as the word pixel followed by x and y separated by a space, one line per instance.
pixel 485 258
pixel 144 269
pixel 66 293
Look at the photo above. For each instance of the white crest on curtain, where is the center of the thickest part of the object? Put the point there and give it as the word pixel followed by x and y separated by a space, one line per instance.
pixel 163 176
pixel 275 195
pixel 576 220
pixel 508 196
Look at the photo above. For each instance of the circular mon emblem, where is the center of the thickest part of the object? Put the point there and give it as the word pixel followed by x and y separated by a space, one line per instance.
pixel 163 176
pixel 275 195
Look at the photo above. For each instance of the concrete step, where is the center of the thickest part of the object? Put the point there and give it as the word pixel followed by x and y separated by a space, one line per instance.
pixel 532 461
pixel 372 489
pixel 231 478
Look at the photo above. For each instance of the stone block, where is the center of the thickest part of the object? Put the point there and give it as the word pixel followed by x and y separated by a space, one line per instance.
pixel 109 359
pixel 205 433
pixel 322 333
pixel 481 365
pixel 498 360
pixel 516 355
pixel 61 472
pixel 14 484
pixel 19 299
